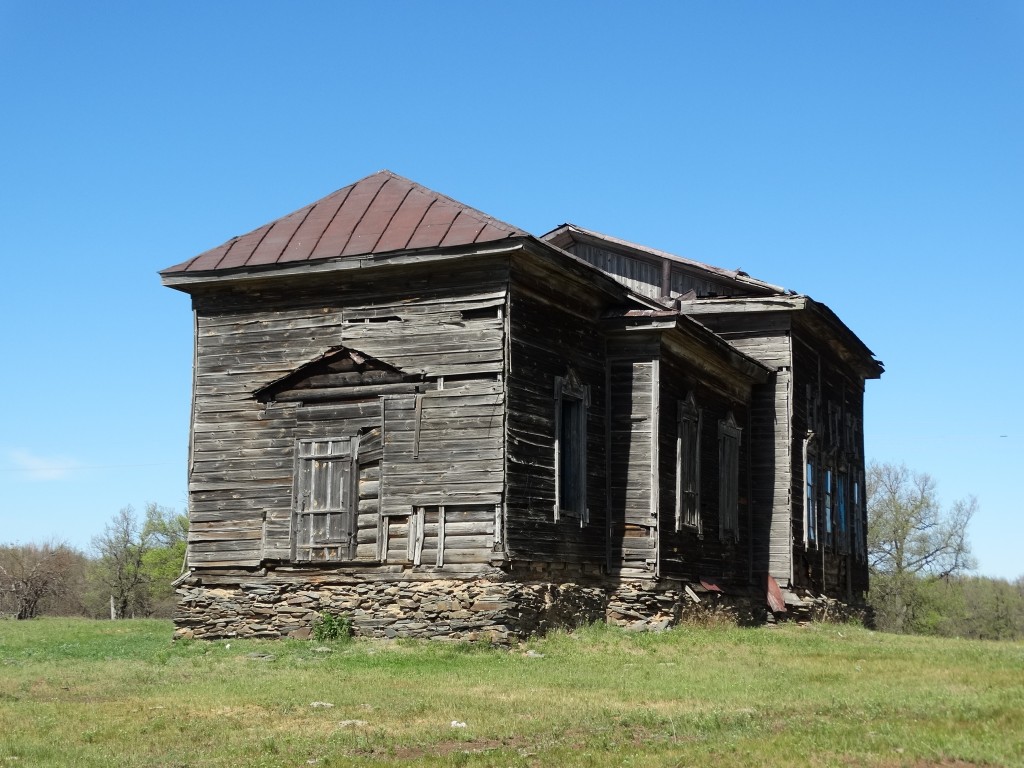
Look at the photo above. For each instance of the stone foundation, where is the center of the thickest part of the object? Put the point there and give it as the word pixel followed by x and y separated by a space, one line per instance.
pixel 491 610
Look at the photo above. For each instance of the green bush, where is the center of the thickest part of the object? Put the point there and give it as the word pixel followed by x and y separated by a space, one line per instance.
pixel 329 627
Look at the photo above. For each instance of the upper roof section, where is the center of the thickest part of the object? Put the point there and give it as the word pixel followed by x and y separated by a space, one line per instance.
pixel 381 213
pixel 656 274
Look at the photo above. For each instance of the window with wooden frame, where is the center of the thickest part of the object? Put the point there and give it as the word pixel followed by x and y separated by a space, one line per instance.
pixel 323 517
pixel 857 511
pixel 688 425
pixel 571 402
pixel 729 477
pixel 829 507
pixel 810 495
pixel 842 530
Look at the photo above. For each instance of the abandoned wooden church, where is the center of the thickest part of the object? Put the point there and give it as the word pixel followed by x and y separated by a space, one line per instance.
pixel 409 412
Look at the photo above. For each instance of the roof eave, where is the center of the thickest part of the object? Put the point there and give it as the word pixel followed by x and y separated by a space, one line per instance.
pixel 184 281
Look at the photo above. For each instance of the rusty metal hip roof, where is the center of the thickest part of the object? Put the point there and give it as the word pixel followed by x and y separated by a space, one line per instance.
pixel 381 213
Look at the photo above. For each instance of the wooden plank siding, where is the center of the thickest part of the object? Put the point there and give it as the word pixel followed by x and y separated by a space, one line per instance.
pixel 443 330
pixel 685 553
pixel 652 276
pixel 633 424
pixel 766 337
pixel 826 566
pixel 553 329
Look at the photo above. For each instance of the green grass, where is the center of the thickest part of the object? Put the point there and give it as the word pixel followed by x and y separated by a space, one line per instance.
pixel 85 693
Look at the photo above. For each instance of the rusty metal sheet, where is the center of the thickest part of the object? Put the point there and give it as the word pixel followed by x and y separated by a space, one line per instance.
pixel 408 216
pixel 710 584
pixel 776 602
pixel 313 226
pixel 435 225
pixel 376 219
pixel 240 251
pixel 463 230
pixel 340 230
pixel 277 238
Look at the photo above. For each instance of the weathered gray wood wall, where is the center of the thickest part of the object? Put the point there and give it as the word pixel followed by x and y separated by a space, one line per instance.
pixel 632 466
pixel 827 567
pixel 685 554
pixel 766 337
pixel 446 329
pixel 553 329
pixel 646 275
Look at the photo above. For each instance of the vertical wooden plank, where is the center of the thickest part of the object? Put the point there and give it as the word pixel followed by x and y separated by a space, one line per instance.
pixel 440 535
pixel 416 429
pixel 417 524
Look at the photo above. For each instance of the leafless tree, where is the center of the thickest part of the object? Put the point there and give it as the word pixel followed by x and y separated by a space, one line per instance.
pixel 120 551
pixel 32 574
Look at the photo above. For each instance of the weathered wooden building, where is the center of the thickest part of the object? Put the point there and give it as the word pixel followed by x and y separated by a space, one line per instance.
pixel 415 414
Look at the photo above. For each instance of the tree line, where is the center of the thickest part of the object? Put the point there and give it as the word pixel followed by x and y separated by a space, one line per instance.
pixel 127 572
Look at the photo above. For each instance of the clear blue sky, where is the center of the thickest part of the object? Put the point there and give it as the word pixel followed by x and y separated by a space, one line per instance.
pixel 869 154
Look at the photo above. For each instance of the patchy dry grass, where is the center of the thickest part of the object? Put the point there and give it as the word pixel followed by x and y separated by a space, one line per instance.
pixel 83 693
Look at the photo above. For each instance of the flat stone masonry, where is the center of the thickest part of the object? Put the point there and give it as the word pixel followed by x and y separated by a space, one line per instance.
pixel 492 611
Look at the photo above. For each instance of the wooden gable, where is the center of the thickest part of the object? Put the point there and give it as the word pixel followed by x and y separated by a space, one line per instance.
pixel 339 374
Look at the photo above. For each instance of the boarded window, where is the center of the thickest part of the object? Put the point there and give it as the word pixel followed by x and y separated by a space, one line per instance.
pixel 729 477
pixel 688 465
pixel 323 522
pixel 571 401
pixel 453 533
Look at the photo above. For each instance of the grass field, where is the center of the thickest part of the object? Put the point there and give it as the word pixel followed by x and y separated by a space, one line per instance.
pixel 87 693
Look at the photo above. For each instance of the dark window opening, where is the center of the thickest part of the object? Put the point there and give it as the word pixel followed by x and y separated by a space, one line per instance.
pixel 688 465
pixel 729 477
pixel 571 400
